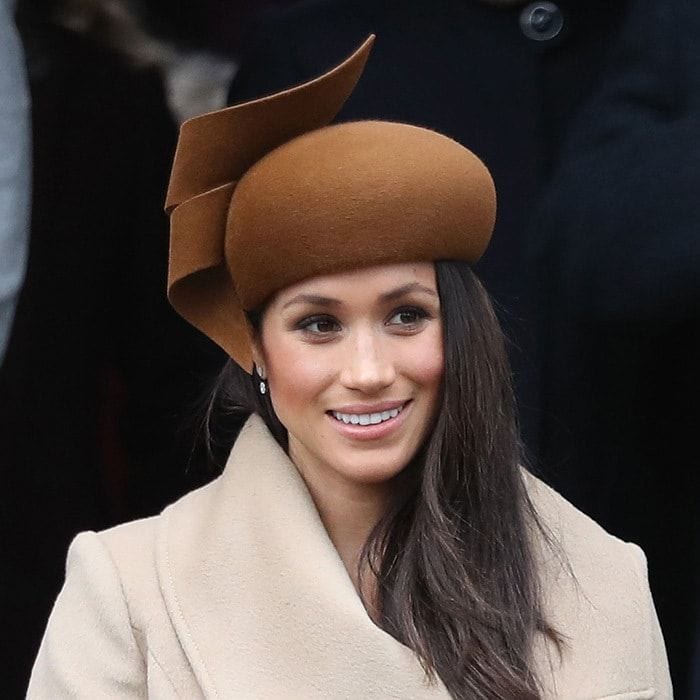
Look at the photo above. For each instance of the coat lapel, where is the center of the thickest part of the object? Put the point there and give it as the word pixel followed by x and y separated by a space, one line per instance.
pixel 259 597
pixel 264 608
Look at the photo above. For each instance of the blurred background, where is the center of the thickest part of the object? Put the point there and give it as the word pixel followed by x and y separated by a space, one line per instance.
pixel 587 114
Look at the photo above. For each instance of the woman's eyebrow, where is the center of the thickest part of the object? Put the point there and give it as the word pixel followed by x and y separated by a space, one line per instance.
pixel 406 289
pixel 315 299
pixel 318 300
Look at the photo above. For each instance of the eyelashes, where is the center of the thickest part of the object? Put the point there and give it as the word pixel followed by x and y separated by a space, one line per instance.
pixel 409 315
pixel 321 325
pixel 403 319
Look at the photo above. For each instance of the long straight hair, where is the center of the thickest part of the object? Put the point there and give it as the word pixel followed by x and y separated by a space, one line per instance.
pixel 453 554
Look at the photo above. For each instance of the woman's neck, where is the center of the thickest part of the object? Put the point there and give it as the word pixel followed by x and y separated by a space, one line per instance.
pixel 349 518
pixel 349 511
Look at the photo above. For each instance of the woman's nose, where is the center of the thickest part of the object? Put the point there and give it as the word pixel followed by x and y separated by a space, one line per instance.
pixel 367 366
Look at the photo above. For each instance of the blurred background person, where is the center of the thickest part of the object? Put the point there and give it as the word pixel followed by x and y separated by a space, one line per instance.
pixel 83 329
pixel 101 378
pixel 14 169
pixel 596 257
pixel 97 379
pixel 615 257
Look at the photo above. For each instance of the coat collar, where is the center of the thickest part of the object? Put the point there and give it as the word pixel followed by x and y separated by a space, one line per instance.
pixel 261 600
pixel 264 608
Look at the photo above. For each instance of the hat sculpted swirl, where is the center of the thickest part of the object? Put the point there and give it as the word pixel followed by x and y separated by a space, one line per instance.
pixel 265 194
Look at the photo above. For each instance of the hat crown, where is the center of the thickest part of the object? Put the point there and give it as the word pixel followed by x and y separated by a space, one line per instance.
pixel 352 195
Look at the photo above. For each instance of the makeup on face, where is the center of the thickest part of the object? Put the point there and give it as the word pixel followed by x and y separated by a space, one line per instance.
pixel 354 363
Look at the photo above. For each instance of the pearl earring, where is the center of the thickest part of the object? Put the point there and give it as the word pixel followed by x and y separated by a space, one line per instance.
pixel 263 387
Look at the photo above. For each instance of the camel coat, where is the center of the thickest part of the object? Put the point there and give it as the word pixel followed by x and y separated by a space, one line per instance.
pixel 236 591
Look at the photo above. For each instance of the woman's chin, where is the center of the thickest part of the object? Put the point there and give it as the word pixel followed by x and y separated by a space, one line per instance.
pixel 370 469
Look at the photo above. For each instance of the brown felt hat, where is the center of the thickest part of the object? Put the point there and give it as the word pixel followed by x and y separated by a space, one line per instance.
pixel 265 194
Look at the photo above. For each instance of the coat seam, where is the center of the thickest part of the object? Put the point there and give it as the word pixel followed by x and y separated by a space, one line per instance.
pixel 647 693
pixel 178 607
pixel 165 673
pixel 125 598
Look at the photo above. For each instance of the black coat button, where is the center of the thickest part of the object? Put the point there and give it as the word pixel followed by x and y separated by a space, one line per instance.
pixel 541 21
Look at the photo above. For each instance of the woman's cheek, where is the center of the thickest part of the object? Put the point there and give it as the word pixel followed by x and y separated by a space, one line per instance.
pixel 298 375
pixel 424 361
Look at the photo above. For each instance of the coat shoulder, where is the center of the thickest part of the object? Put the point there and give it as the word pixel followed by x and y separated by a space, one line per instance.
pixel 582 541
pixel 596 595
pixel 134 548
pixel 581 563
pixel 129 542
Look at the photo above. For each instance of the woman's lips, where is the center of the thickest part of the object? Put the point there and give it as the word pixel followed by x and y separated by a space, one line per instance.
pixel 371 430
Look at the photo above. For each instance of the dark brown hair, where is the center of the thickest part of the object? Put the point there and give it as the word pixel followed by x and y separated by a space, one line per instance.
pixel 457 580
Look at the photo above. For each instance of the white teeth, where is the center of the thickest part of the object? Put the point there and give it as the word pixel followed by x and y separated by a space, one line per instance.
pixel 367 418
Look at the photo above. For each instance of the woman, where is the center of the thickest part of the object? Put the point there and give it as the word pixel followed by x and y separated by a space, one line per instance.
pixel 372 534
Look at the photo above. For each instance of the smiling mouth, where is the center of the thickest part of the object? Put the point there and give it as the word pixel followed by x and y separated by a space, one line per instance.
pixel 367 418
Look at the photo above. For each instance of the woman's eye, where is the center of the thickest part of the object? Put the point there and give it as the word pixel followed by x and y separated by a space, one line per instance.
pixel 407 317
pixel 320 326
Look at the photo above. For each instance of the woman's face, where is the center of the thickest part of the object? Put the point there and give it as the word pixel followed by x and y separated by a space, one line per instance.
pixel 354 363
